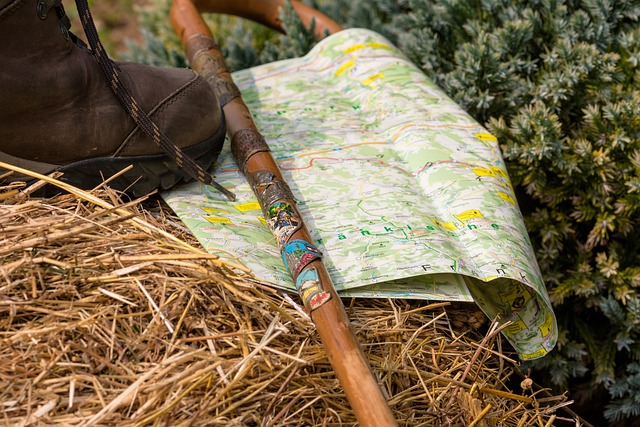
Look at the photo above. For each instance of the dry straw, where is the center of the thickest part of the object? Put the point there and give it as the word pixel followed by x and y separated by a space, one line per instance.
pixel 112 315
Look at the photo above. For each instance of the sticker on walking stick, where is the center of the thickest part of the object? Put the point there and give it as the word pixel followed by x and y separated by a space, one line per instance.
pixel 284 220
pixel 297 254
pixel 310 289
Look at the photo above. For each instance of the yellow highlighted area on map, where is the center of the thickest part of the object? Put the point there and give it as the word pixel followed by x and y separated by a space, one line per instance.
pixel 467 215
pixel 371 79
pixel 218 220
pixel 486 137
pixel 344 67
pixel 355 47
pixel 211 210
pixel 517 297
pixel 506 197
pixel 447 225
pixel 499 171
pixel 545 329
pixel 251 206
pixel 515 327
pixel 375 45
pixel 483 172
pixel 534 355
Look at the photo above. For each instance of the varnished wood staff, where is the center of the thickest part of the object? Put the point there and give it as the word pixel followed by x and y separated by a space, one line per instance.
pixel 254 159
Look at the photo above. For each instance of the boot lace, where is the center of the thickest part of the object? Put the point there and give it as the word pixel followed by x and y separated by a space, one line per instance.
pixel 132 107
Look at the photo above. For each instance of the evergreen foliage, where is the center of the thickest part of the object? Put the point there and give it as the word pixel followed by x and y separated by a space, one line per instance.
pixel 558 82
pixel 244 44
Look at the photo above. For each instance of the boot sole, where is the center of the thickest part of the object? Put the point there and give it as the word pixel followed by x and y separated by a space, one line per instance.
pixel 147 174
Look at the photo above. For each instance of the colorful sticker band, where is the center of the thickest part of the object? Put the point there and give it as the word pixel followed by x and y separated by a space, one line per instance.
pixel 269 189
pixel 310 289
pixel 245 143
pixel 284 220
pixel 297 254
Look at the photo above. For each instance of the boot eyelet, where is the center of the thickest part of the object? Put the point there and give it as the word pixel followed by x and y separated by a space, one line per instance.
pixel 42 9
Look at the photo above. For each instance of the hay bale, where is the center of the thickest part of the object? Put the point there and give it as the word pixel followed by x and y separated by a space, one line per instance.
pixel 111 314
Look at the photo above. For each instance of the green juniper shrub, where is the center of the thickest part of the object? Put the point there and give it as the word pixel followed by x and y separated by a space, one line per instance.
pixel 558 82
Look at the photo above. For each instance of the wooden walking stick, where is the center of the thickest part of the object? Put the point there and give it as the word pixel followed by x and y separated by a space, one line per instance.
pixel 278 204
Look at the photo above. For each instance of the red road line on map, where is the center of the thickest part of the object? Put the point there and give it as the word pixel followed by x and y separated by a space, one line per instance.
pixel 426 125
pixel 404 171
pixel 343 148
pixel 441 162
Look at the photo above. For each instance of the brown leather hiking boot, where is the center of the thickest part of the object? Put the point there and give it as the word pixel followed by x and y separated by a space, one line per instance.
pixel 57 111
